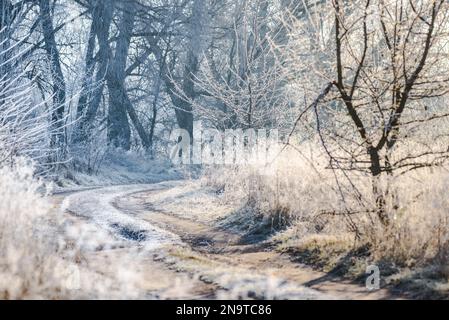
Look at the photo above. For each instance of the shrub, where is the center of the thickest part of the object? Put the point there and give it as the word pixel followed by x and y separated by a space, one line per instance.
pixel 27 259
pixel 319 201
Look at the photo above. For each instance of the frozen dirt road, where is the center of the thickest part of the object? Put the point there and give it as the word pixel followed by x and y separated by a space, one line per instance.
pixel 165 236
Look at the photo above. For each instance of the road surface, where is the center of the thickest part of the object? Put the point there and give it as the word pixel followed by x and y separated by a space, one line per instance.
pixel 166 238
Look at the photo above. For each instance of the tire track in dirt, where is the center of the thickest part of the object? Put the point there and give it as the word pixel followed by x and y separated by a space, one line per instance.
pixel 122 237
pixel 226 249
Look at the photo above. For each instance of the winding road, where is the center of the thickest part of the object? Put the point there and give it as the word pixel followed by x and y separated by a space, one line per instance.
pixel 167 237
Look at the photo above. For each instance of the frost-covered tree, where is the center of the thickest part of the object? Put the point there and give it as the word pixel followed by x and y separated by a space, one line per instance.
pixel 27 123
pixel 382 67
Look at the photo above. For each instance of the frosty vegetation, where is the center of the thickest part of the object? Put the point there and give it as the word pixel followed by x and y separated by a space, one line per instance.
pixel 357 89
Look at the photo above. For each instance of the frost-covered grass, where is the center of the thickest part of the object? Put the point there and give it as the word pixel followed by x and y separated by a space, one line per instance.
pixel 28 252
pixel 299 198
pixel 117 167
pixel 240 282
pixel 46 254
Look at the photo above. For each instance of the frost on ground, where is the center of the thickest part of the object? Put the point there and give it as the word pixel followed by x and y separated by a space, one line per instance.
pixel 118 168
pixel 26 254
pixel 97 206
pixel 93 253
pixel 193 200
pixel 127 223
pixel 101 244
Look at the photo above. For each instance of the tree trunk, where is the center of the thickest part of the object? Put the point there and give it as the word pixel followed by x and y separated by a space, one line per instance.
pixel 184 109
pixel 157 90
pixel 92 90
pixel 119 132
pixel 137 124
pixel 59 87
pixel 6 18
pixel 376 172
pixel 183 106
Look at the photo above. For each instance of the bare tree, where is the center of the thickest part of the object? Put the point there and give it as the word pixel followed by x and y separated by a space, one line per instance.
pixel 385 77
pixel 25 122
pixel 190 66
pixel 96 63
pixel 247 90
pixel 59 87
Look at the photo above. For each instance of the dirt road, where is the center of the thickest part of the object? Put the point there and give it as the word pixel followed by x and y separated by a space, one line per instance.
pixel 166 235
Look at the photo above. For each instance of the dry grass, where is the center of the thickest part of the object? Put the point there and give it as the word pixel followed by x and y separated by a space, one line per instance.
pixel 301 188
pixel 28 264
pixel 44 256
